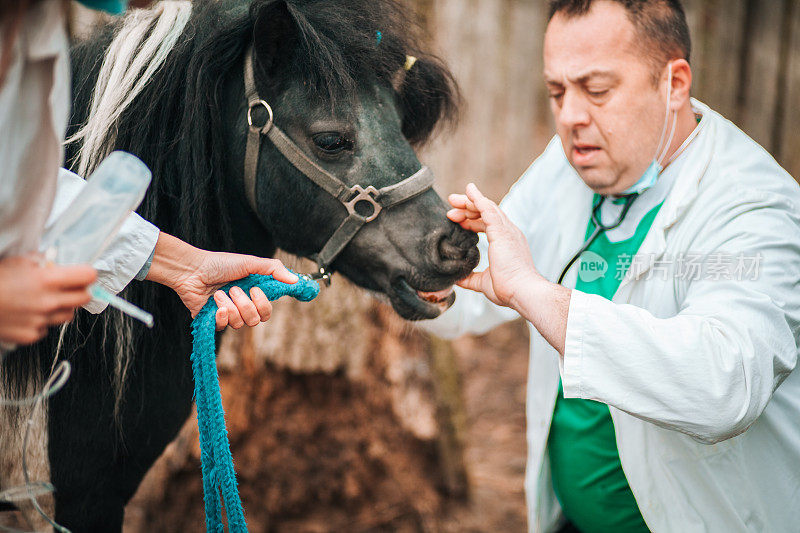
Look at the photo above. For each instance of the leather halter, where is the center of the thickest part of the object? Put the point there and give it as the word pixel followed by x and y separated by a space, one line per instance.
pixel 370 199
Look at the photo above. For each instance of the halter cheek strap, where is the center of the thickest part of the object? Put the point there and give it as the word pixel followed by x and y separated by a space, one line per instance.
pixel 363 205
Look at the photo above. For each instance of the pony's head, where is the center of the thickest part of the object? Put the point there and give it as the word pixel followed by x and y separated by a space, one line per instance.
pixel 339 79
pixel 343 84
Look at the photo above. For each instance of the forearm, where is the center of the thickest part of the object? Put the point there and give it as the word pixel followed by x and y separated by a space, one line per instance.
pixel 546 306
pixel 173 261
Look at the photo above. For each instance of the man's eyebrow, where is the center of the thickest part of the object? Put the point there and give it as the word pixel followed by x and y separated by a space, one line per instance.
pixel 583 77
pixel 551 80
pixel 596 74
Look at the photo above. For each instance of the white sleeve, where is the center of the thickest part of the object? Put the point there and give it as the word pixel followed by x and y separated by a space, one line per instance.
pixel 709 371
pixel 130 249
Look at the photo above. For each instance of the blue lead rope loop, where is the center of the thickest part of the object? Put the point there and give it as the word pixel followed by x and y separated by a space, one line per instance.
pixel 215 450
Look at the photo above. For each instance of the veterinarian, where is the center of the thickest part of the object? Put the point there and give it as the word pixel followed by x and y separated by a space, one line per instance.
pixel 34 109
pixel 660 391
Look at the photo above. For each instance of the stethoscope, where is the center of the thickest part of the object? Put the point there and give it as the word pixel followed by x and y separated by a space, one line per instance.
pixel 599 228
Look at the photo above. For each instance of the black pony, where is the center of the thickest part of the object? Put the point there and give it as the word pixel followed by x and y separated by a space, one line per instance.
pixel 333 73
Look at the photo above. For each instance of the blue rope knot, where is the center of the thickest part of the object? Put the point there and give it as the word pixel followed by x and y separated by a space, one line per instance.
pixel 215 449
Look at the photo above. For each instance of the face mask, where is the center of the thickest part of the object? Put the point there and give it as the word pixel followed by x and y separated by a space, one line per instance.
pixel 114 7
pixel 650 175
pixel 647 180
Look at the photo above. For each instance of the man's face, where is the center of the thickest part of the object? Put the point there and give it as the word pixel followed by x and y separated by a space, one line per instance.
pixel 608 111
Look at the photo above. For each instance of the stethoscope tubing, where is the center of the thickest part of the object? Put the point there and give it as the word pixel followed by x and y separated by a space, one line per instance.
pixel 599 228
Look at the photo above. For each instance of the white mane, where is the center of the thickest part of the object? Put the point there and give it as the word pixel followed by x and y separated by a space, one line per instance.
pixel 140 47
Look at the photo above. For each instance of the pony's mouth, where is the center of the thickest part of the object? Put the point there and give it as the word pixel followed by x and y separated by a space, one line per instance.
pixel 418 304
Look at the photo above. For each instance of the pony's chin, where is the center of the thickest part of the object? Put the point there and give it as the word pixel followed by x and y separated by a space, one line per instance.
pixel 417 304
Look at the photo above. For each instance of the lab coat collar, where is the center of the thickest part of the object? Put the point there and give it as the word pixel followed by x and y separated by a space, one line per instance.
pixel 694 163
pixel 573 209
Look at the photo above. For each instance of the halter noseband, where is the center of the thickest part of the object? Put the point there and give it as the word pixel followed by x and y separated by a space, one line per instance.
pixel 350 197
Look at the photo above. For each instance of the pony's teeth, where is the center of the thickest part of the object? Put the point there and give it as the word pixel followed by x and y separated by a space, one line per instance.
pixel 435 297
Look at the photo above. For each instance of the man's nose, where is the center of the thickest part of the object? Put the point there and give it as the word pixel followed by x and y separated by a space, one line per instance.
pixel 573 112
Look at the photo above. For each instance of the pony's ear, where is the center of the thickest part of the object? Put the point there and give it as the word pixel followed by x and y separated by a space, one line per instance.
pixel 275 35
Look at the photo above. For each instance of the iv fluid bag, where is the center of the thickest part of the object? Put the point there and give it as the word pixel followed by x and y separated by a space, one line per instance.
pixel 85 228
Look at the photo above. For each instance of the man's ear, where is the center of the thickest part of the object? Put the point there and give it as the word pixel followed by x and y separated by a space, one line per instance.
pixel 275 36
pixel 681 84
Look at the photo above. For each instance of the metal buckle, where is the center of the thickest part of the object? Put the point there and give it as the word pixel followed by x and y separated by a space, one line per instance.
pixel 321 275
pixel 266 127
pixel 364 195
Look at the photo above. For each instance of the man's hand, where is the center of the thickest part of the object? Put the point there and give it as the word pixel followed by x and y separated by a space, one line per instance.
pixel 511 279
pixel 196 274
pixel 33 297
pixel 510 262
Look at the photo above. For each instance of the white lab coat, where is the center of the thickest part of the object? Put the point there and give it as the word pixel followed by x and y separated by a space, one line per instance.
pixel 34 109
pixel 697 370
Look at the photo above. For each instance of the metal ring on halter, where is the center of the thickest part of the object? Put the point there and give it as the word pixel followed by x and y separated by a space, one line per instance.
pixel 265 128
pixel 322 274
pixel 364 195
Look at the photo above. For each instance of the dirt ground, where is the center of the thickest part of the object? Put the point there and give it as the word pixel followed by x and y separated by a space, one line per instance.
pixel 323 452
pixel 494 369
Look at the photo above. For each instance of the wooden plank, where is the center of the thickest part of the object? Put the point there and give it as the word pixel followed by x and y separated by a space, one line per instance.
pixel 695 18
pixel 724 73
pixel 522 93
pixel 717 43
pixel 464 31
pixel 451 417
pixel 760 75
pixel 790 135
pixel 494 48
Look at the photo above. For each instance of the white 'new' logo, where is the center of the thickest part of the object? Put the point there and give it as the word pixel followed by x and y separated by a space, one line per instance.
pixel 593 267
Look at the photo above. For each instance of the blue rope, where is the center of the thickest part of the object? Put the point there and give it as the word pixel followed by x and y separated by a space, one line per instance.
pixel 215 450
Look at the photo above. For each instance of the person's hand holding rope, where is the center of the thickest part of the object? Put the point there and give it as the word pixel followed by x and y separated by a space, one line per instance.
pixel 195 275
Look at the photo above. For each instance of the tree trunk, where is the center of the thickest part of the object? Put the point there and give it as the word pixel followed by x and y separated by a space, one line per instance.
pixel 341 418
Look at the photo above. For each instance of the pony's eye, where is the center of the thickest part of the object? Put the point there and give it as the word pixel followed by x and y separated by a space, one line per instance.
pixel 332 143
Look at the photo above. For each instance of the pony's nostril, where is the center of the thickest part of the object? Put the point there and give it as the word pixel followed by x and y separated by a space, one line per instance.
pixel 450 250
pixel 469 239
pixel 457 245
pixel 453 250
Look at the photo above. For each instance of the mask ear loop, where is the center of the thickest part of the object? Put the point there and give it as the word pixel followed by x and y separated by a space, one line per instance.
pixel 666 146
pixel 669 140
